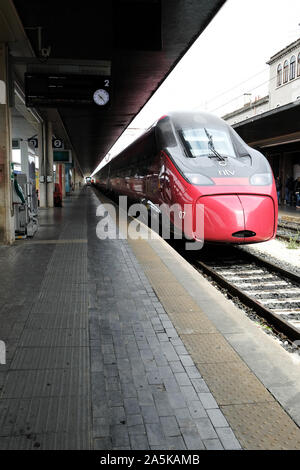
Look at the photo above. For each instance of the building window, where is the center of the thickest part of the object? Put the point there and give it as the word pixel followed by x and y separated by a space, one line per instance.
pixel 285 71
pixel 279 75
pixel 292 67
pixel 298 65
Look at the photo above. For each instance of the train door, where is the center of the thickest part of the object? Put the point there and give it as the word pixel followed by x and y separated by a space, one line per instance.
pixel 174 195
pixel 152 180
pixel 165 184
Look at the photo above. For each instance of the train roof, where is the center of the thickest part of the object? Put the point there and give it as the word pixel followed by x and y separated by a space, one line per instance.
pixel 194 117
pixel 180 119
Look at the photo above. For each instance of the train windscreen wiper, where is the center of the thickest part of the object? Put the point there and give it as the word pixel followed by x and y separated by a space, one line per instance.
pixel 212 147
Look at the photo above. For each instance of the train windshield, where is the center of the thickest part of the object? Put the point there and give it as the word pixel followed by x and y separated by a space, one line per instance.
pixel 199 142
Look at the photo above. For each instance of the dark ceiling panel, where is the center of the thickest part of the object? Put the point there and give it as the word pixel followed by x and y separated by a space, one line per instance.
pixel 144 39
pixel 137 25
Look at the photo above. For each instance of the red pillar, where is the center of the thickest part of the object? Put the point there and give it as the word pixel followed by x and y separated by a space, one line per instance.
pixel 60 178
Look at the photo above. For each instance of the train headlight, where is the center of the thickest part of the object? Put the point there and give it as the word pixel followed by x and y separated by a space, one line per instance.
pixel 197 179
pixel 261 179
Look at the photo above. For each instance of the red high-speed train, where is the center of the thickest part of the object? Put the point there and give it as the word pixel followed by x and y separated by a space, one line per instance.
pixel 189 158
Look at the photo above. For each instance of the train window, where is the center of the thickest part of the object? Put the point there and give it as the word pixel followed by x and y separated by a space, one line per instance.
pixel 103 172
pixel 133 165
pixel 238 144
pixel 128 171
pixel 165 134
pixel 197 143
pixel 114 171
pixel 131 171
pixel 298 65
pixel 145 153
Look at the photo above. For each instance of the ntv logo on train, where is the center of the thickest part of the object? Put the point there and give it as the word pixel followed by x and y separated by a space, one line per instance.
pixel 226 172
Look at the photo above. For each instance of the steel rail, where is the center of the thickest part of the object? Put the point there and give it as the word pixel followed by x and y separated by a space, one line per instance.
pixel 281 325
pixel 275 320
pixel 270 266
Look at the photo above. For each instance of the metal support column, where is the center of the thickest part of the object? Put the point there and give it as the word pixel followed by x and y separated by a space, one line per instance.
pixel 42 166
pixel 49 164
pixel 7 232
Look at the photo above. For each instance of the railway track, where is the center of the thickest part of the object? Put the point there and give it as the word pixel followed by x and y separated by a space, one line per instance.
pixel 272 292
pixel 288 231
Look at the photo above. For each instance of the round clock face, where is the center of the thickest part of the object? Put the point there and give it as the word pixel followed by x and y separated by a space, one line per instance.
pixel 101 97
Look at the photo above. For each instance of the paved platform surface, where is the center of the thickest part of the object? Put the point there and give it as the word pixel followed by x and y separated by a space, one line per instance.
pixel 108 349
pixel 93 361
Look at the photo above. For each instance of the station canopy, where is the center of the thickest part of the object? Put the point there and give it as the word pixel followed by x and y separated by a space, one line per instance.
pixel 279 126
pixel 138 42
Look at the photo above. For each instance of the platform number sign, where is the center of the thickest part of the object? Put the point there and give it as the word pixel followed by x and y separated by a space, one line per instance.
pixel 34 142
pixel 57 143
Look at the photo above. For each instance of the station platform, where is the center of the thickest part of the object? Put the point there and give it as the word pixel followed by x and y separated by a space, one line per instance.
pixel 289 214
pixel 120 344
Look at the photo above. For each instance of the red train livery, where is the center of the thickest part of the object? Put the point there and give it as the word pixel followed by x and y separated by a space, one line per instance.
pixel 197 158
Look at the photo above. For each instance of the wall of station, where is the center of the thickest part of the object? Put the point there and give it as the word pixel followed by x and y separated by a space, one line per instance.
pixel 282 151
pixel 284 86
pixel 29 177
pixel 248 111
pixel 284 82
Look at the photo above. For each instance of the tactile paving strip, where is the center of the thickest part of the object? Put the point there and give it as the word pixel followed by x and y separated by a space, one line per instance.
pixel 57 321
pixel 49 358
pixel 62 338
pixel 42 415
pixel 45 393
pixel 46 383
pixel 227 382
pixel 169 289
pixel 179 304
pixel 192 323
pixel 257 419
pixel 209 348
pixel 49 441
pixel 262 426
pixel 158 273
pixel 55 242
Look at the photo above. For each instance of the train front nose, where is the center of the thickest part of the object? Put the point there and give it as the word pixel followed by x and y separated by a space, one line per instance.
pixel 238 218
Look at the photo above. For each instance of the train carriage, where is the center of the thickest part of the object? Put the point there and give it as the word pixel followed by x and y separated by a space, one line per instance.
pixel 186 159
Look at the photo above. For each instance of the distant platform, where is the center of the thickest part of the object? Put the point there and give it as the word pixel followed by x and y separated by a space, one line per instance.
pixel 288 213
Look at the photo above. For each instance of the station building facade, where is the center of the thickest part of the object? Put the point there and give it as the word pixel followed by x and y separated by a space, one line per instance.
pixel 284 85
pixel 272 123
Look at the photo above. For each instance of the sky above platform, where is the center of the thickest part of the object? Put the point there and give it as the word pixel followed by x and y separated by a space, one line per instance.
pixel 225 65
